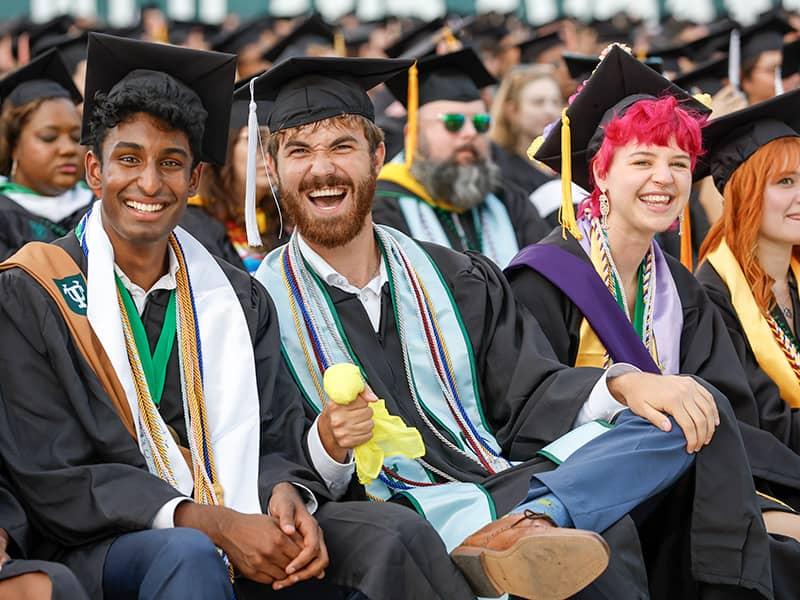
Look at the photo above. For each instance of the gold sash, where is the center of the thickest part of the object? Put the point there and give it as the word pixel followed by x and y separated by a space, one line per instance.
pixel 399 174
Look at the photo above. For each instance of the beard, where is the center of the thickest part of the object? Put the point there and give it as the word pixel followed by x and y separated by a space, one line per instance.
pixel 335 231
pixel 463 186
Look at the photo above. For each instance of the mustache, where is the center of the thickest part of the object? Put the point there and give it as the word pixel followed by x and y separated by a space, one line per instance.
pixel 316 182
pixel 466 148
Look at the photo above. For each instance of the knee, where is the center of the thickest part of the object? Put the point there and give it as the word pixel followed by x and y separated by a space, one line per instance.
pixel 191 548
pixel 410 531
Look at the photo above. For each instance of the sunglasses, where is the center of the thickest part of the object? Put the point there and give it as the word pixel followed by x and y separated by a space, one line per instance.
pixel 453 122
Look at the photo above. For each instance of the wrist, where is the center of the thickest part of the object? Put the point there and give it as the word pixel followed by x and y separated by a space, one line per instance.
pixel 207 519
pixel 4 539
pixel 618 387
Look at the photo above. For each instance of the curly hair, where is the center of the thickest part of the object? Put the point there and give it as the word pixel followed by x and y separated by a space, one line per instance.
pixel 742 209
pixel 656 122
pixel 161 97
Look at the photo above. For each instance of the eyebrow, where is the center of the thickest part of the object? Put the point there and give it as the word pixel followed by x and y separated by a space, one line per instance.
pixel 645 153
pixel 336 142
pixel 140 148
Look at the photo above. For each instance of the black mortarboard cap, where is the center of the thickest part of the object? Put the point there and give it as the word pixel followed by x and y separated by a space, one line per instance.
pixel 766 34
pixel 791 58
pixel 44 77
pixel 72 48
pixel 452 33
pixel 580 66
pixel 533 47
pixel 456 76
pixel 240 108
pixel 701 49
pixel 233 40
pixel 733 138
pixel 58 25
pixel 414 36
pixel 707 78
pixel 618 82
pixel 115 63
pixel 618 28
pixel 309 32
pixel 308 89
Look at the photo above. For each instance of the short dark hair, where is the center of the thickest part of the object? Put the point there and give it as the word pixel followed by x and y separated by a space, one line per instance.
pixel 164 99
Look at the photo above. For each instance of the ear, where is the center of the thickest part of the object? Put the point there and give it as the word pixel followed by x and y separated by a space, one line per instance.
pixel 194 179
pixel 599 181
pixel 272 164
pixel 94 173
pixel 379 157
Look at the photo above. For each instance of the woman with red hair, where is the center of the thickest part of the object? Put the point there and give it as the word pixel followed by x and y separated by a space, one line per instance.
pixel 606 296
pixel 751 271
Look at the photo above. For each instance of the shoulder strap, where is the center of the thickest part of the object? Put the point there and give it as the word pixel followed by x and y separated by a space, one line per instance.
pixel 50 266
pixel 582 285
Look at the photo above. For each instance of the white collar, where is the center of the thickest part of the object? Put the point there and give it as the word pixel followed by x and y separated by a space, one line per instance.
pixel 53 208
pixel 168 281
pixel 333 278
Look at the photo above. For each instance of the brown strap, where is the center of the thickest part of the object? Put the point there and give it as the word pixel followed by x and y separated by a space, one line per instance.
pixel 47 263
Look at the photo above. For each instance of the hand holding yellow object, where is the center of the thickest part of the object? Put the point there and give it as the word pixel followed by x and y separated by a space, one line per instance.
pixel 390 436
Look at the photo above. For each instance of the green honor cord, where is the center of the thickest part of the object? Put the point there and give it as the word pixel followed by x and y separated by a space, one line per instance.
pixel 154 365
pixel 638 308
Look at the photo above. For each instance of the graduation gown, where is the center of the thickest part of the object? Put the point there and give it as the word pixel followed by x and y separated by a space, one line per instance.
pixel 776 463
pixel 675 528
pixel 670 241
pixel 19 226
pixel 517 170
pixel 528 225
pixel 74 466
pixel 211 233
pixel 529 399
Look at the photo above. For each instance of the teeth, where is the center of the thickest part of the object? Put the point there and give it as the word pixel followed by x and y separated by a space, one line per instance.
pixel 142 207
pixel 326 192
pixel 656 198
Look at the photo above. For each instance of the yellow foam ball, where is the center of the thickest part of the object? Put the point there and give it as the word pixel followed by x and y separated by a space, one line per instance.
pixel 343 382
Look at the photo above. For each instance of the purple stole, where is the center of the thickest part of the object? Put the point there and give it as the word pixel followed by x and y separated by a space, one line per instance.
pixel 578 280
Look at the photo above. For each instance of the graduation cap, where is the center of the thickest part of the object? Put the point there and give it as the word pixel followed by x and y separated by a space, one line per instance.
pixel 306 90
pixel 580 66
pixel 618 28
pixel 708 77
pixel 72 48
pixel 533 47
pixel 312 31
pixel 44 77
pixel 414 36
pixel 115 64
pixel 791 58
pixel 240 107
pixel 233 40
pixel 699 50
pixel 618 82
pixel 179 31
pixel 451 33
pixel 733 138
pixel 766 34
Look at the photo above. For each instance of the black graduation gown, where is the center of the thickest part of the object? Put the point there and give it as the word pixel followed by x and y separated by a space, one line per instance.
pixel 775 461
pixel 211 233
pixel 14 520
pixel 670 241
pixel 73 464
pixel 722 481
pixel 528 398
pixel 519 171
pixel 528 225
pixel 18 226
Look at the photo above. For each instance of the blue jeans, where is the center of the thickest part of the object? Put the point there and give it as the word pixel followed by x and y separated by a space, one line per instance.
pixel 613 474
pixel 165 563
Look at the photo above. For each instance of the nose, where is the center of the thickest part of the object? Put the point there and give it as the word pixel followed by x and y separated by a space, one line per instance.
pixel 149 180
pixel 67 146
pixel 468 131
pixel 321 165
pixel 662 174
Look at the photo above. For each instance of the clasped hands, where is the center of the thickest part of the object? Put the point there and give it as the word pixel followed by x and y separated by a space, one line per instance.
pixel 281 548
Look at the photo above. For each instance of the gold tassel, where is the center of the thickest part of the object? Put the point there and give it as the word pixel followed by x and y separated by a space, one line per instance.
pixel 413 109
pixel 534 148
pixel 566 214
pixel 687 259
pixel 704 99
pixel 452 42
pixel 339 47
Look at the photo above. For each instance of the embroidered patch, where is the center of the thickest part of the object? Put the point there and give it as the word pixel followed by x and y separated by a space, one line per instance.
pixel 73 288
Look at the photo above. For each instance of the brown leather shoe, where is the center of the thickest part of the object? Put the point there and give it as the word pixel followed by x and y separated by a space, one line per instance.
pixel 528 556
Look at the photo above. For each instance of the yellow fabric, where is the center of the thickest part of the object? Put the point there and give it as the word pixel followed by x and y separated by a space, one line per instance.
pixel 591 352
pixel 768 352
pixel 412 126
pixel 566 214
pixel 687 256
pixel 399 174
pixel 196 200
pixel 390 436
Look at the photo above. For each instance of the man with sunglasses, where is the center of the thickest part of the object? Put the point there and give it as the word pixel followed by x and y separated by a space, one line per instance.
pixel 445 188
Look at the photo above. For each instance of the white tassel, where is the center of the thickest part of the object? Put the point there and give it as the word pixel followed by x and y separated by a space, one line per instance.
pixel 778 81
pixel 250 216
pixel 735 59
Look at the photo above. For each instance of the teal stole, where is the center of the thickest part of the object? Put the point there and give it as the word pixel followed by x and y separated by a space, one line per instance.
pixel 439 365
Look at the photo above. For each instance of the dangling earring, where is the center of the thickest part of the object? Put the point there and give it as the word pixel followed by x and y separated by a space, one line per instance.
pixel 680 224
pixel 604 210
pixel 13 170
